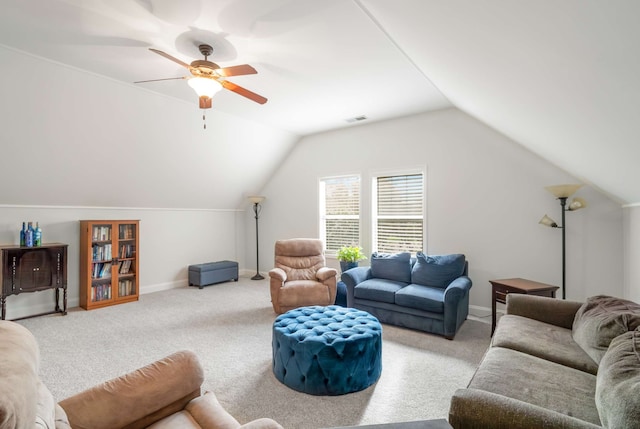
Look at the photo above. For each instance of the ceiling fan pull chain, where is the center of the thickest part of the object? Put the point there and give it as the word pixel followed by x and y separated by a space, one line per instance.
pixel 204 119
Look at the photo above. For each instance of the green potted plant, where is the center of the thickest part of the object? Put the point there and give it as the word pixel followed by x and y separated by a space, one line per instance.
pixel 349 257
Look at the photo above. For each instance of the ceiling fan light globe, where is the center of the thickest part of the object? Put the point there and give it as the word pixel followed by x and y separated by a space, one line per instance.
pixel 204 87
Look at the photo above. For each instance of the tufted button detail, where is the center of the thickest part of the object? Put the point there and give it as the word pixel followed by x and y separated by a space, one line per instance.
pixel 327 350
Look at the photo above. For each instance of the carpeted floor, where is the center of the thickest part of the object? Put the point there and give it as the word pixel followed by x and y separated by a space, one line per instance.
pixel 229 327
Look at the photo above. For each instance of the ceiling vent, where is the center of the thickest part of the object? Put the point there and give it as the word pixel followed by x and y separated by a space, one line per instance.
pixel 356 119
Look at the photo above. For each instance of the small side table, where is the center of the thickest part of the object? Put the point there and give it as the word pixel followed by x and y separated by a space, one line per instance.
pixel 502 288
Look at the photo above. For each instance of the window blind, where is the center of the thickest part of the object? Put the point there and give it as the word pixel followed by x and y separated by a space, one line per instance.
pixel 340 213
pixel 400 208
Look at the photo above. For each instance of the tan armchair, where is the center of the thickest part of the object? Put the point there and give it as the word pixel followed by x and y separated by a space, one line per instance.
pixel 300 277
pixel 162 395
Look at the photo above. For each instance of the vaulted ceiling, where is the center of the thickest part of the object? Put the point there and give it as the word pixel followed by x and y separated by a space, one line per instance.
pixel 560 78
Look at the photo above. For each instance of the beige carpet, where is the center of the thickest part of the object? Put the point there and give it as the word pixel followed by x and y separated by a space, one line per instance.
pixel 229 327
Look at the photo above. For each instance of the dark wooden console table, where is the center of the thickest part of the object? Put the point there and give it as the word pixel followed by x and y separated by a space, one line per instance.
pixel 32 269
pixel 502 288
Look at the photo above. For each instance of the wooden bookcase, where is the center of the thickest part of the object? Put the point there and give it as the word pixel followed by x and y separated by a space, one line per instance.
pixel 109 262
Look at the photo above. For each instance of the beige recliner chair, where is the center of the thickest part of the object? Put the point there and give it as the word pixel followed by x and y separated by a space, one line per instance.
pixel 300 277
pixel 162 395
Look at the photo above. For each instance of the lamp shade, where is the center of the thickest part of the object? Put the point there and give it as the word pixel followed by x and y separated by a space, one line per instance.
pixel 256 199
pixel 577 203
pixel 547 221
pixel 563 191
pixel 204 87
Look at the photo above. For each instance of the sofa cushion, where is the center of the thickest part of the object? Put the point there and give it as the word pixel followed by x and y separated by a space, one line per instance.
pixel 396 266
pixel 378 290
pixel 602 318
pixel 544 340
pixel 437 270
pixel 424 298
pixel 538 382
pixel 618 383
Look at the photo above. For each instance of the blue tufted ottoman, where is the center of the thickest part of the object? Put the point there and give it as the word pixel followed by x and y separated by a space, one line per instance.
pixel 327 350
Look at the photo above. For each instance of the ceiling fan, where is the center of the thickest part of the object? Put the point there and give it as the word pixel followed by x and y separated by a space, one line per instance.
pixel 207 77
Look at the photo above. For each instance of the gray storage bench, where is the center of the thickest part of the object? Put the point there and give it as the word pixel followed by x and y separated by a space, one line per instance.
pixel 212 272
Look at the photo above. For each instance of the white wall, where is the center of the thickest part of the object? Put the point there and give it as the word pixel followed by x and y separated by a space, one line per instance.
pixel 69 137
pixel 485 196
pixel 170 241
pixel 75 145
pixel 632 253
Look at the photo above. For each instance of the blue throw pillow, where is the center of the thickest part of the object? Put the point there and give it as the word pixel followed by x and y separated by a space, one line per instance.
pixel 437 270
pixel 396 266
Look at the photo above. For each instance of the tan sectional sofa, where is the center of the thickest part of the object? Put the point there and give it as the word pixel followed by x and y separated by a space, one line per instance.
pixel 165 394
pixel 557 364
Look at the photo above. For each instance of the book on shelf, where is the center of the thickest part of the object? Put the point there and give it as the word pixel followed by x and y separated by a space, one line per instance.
pixel 127 232
pixel 102 252
pixel 126 288
pixel 101 233
pixel 100 292
pixel 101 270
pixel 124 266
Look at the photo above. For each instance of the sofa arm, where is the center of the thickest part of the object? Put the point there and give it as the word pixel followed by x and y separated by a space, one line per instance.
pixel 326 273
pixel 457 289
pixel 353 277
pixel 356 275
pixel 139 398
pixel 544 309
pixel 473 408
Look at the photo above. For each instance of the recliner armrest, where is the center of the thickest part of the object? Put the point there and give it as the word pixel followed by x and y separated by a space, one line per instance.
pixel 325 273
pixel 139 398
pixel 278 274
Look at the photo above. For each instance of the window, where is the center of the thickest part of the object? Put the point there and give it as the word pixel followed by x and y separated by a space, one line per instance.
pixel 398 213
pixel 339 212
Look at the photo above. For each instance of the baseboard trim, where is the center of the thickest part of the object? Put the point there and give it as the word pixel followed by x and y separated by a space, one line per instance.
pixel 162 286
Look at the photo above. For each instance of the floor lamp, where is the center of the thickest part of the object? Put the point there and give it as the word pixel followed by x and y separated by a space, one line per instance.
pixel 562 193
pixel 256 210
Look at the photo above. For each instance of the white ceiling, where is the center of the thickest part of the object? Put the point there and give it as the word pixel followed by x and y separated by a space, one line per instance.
pixel 560 78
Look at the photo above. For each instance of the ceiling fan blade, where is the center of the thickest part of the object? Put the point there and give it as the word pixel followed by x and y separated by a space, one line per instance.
pixel 236 70
pixel 158 80
pixel 169 57
pixel 243 91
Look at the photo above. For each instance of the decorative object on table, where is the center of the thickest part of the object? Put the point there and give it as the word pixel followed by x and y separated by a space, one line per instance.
pixel 257 208
pixel 562 193
pixel 349 256
pixel 327 350
pixel 37 236
pixel 23 234
pixel 300 276
pixel 28 236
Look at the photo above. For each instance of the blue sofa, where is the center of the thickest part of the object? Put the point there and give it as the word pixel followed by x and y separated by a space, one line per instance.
pixel 429 293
